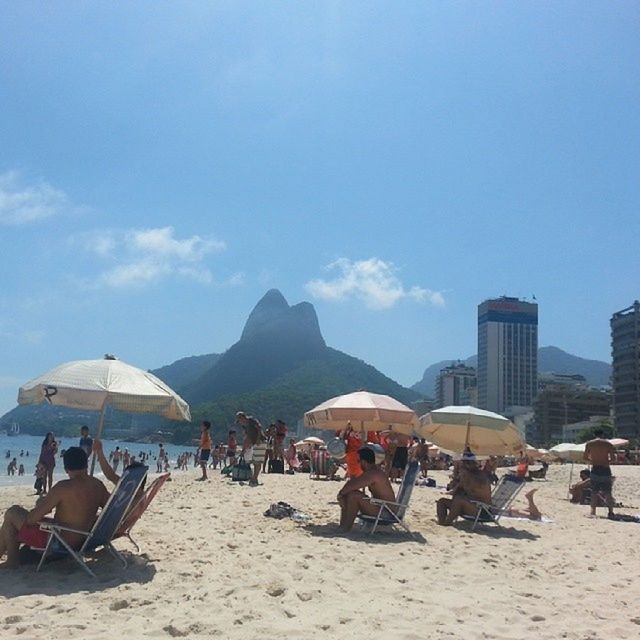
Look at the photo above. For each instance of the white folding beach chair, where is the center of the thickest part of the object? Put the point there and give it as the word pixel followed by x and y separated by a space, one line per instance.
pixel 502 498
pixel 105 527
pixel 392 513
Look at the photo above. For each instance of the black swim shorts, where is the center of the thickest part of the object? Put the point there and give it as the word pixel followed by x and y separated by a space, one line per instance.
pixel 601 479
pixel 204 454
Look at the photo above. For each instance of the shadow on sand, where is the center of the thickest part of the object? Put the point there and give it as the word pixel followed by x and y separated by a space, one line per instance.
pixel 381 536
pixel 492 531
pixel 65 576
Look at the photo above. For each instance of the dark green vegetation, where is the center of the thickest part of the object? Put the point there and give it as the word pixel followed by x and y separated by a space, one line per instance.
pixel 588 434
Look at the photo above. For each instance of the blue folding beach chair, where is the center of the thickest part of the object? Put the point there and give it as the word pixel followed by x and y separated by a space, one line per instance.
pixel 392 513
pixel 106 526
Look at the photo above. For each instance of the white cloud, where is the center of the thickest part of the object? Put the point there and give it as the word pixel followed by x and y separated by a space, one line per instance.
pixel 372 281
pixel 161 242
pixel 145 256
pixel 23 204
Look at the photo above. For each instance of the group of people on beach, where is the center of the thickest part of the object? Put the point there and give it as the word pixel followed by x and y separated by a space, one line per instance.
pixel 76 500
pixel 261 449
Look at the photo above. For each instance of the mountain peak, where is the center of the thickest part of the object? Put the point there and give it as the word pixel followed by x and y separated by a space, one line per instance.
pixel 273 314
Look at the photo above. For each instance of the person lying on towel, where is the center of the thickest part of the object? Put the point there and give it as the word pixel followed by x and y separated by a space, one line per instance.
pixel 352 499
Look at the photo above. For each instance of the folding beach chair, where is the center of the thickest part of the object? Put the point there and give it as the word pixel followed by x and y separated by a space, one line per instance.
pixel 502 497
pixel 138 507
pixel 319 464
pixel 392 513
pixel 105 527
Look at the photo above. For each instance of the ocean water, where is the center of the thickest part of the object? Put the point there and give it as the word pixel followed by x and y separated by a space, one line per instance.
pixel 20 446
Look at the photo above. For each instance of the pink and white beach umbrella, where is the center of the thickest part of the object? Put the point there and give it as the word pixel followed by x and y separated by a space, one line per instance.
pixel 365 411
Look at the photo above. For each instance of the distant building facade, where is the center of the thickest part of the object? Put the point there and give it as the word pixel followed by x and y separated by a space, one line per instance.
pixel 507 353
pixel 625 350
pixel 560 404
pixel 456 385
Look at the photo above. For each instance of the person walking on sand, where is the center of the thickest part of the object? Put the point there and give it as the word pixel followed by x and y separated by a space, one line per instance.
pixel 352 499
pixel 600 453
pixel 205 448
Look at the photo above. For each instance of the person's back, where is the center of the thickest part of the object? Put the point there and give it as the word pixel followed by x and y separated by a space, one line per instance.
pixel 378 484
pixel 599 452
pixel 78 501
pixel 475 484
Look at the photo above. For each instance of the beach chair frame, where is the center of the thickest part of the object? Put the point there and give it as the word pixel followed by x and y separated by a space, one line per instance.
pixel 137 509
pixel 105 527
pixel 317 469
pixel 504 493
pixel 386 515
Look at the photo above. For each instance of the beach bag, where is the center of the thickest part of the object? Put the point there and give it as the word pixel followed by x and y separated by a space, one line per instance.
pixel 276 466
pixel 241 472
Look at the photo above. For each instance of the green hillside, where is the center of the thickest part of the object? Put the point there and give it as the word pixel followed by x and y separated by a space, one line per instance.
pixel 297 391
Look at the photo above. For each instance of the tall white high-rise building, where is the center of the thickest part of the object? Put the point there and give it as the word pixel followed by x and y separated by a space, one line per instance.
pixel 507 353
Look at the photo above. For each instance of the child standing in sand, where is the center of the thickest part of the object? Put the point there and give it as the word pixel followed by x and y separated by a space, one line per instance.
pixel 205 448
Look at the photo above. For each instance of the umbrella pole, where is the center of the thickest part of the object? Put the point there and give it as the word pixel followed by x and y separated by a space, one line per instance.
pixel 98 434
pixel 466 438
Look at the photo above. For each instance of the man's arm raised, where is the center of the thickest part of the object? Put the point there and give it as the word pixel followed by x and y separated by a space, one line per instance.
pixel 106 468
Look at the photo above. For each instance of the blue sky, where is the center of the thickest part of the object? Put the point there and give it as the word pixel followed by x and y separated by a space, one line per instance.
pixel 163 164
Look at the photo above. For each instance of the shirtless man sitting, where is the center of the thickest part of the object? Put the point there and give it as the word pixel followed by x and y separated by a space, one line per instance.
pixel 75 501
pixel 600 453
pixel 471 484
pixel 351 498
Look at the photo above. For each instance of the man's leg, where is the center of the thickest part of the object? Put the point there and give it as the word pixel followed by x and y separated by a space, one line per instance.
pixel 442 509
pixel 14 518
pixel 460 506
pixel 534 512
pixel 351 504
pixel 203 465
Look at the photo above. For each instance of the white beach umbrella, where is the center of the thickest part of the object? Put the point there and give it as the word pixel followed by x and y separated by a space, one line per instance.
pixel 568 451
pixel 618 443
pixel 313 440
pixel 571 452
pixel 96 384
pixel 365 411
pixel 456 428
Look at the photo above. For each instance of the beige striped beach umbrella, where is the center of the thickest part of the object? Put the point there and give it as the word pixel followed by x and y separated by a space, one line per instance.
pixel 457 428
pixel 97 384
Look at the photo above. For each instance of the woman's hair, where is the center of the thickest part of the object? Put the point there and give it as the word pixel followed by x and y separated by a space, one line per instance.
pixel 45 442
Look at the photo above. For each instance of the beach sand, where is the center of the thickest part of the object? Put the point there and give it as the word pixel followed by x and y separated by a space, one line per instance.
pixel 213 566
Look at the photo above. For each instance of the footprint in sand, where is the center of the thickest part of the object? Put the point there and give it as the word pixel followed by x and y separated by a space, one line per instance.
pixel 304 596
pixel 117 605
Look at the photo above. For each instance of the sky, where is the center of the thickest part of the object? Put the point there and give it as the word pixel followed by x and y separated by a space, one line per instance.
pixel 162 165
